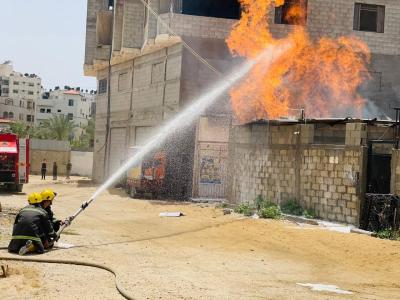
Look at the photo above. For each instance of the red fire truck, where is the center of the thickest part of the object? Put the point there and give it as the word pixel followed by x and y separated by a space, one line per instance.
pixel 14 159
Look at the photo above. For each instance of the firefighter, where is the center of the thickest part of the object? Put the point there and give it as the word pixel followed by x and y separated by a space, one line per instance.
pixel 32 231
pixel 50 195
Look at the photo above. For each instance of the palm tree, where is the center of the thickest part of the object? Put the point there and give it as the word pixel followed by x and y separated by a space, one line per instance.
pixel 60 127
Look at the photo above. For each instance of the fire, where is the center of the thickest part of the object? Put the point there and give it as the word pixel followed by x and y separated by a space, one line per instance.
pixel 320 76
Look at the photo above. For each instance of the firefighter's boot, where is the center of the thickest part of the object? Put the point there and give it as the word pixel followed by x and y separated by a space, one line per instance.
pixel 29 247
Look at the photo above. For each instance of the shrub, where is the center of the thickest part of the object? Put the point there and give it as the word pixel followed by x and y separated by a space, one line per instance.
pixel 291 207
pixel 389 234
pixel 309 213
pixel 244 209
pixel 270 212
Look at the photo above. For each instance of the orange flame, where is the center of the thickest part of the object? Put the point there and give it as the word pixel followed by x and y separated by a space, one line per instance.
pixel 321 76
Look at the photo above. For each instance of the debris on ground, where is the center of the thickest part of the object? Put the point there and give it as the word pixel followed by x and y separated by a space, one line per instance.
pixel 171 214
pixel 318 287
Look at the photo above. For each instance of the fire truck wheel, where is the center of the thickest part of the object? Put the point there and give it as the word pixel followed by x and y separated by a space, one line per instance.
pixel 19 188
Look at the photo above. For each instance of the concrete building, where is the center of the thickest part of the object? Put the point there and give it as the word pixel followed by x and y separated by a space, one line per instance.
pixel 18 94
pixel 145 74
pixel 74 105
pixel 151 76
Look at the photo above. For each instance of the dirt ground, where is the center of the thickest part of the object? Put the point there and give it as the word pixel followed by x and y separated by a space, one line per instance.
pixel 202 255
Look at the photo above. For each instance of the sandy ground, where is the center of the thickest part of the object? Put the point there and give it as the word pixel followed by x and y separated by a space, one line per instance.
pixel 203 255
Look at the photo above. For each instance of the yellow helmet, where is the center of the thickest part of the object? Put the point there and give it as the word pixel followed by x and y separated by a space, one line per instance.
pixel 48 195
pixel 34 198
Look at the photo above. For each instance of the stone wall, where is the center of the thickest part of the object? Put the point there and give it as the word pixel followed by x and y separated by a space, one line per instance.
pixel 395 178
pixel 280 164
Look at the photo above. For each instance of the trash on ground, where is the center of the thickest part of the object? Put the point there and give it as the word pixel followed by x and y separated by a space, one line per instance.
pixel 318 287
pixel 63 245
pixel 171 214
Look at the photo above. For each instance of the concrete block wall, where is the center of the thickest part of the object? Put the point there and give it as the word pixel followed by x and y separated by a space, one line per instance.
pixel 395 176
pixel 356 134
pixel 325 178
pixel 134 18
pixel 329 182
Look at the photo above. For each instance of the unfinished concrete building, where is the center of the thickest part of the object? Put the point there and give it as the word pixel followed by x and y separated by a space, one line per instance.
pixel 145 75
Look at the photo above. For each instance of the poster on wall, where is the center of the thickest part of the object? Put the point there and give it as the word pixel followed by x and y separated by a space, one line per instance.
pixel 210 170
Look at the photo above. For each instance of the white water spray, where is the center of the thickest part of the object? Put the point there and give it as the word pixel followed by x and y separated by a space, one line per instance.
pixel 184 118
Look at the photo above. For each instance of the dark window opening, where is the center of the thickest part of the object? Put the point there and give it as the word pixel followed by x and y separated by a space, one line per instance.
pixel 103 86
pixel 70 102
pixel 368 17
pixel 70 116
pixel 292 12
pixel 42 110
pixel 228 9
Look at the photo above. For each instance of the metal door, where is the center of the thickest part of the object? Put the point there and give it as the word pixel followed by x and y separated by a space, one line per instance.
pixel 379 169
pixel 212 162
pixel 117 149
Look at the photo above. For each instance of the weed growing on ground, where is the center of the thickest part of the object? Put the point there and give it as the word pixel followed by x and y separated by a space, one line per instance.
pixel 293 208
pixel 270 212
pixel 310 213
pixel 389 234
pixel 245 209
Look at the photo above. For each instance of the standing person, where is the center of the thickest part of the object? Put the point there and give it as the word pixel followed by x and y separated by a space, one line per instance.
pixel 32 231
pixel 44 169
pixel 69 167
pixel 55 171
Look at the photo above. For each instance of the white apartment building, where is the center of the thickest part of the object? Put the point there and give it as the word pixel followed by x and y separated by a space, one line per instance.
pixel 70 103
pixel 18 94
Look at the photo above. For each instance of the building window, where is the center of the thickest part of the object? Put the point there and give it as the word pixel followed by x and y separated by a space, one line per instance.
pixel 21 117
pixel 122 82
pixel 16 83
pixel 70 102
pixel 59 110
pixel 4 91
pixel 157 72
pixel 5 82
pixel 292 12
pixel 103 86
pixel 48 110
pixel 42 110
pixel 30 93
pixel 368 17
pixel 31 84
pixel 29 105
pixel 30 118
pixel 15 91
pixel 228 9
pixel 70 116
pixel 5 115
pixel 10 115
pixel 9 102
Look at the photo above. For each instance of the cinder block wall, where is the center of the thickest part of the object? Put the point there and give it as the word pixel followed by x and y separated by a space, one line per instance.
pixel 280 164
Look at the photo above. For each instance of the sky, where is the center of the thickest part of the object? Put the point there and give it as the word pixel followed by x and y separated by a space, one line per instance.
pixel 47 38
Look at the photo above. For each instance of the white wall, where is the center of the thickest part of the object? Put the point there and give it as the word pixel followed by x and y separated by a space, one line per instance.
pixel 82 163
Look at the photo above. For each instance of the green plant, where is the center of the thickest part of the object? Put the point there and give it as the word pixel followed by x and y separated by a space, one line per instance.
pixel 389 234
pixel 270 212
pixel 245 209
pixel 291 207
pixel 310 213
